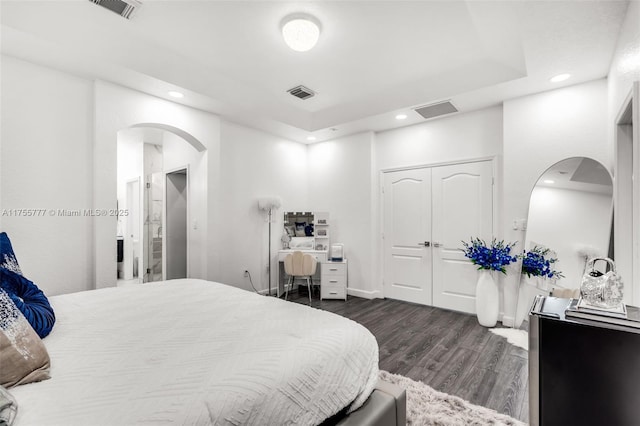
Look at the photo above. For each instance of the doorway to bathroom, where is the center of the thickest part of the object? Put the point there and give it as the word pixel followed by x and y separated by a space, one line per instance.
pixel 177 213
pixel 161 186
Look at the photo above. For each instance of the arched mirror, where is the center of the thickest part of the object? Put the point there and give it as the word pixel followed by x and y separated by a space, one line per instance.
pixel 570 217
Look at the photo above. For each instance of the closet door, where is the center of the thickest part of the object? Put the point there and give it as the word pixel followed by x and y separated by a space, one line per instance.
pixel 462 208
pixel 407 227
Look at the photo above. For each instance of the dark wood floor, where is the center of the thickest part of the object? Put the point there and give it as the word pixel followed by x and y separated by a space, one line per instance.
pixel 447 350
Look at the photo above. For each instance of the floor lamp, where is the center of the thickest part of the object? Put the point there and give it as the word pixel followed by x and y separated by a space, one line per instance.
pixel 268 205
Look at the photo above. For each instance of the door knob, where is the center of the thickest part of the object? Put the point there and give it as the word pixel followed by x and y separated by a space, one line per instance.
pixel 437 245
pixel 426 244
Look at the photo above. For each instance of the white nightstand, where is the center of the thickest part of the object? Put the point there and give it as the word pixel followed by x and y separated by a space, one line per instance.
pixel 333 281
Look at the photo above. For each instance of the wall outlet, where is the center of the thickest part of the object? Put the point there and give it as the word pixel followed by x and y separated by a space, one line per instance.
pixel 520 224
pixel 246 273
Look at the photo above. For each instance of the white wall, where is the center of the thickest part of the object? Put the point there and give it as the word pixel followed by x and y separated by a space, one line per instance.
pixel 47 126
pixel 455 138
pixel 340 182
pixel 256 165
pixel 539 131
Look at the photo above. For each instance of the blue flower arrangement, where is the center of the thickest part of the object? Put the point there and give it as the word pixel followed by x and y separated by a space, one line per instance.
pixel 494 257
pixel 537 262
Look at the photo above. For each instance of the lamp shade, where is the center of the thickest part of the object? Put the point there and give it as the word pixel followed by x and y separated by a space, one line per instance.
pixel 269 203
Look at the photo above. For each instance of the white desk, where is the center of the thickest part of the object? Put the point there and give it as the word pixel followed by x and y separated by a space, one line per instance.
pixel 321 256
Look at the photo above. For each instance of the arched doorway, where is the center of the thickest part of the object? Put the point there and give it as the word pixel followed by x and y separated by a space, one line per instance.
pixel 156 225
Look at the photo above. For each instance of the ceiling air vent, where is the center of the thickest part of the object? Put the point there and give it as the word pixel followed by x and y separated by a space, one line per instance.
pixel 121 7
pixel 435 110
pixel 302 92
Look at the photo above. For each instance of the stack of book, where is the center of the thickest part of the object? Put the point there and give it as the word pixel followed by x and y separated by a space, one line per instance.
pixel 581 309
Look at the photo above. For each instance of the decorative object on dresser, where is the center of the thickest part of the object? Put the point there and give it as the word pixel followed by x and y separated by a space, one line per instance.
pixel 489 258
pixel 333 284
pixel 602 290
pixel 337 252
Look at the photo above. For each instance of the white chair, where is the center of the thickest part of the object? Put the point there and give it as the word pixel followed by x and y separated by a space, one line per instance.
pixel 300 265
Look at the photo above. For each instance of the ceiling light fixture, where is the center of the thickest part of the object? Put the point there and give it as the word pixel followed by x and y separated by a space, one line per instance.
pixel 311 138
pixel 401 116
pixel 300 32
pixel 176 94
pixel 560 77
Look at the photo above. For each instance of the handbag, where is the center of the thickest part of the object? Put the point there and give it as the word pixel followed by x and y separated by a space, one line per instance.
pixel 602 290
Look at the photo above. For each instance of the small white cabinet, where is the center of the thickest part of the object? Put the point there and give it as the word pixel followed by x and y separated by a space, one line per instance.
pixel 333 282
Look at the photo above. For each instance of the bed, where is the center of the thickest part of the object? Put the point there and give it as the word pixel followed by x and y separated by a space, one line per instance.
pixel 198 352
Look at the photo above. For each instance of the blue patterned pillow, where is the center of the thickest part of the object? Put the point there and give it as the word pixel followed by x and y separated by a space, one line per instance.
pixel 30 300
pixel 7 256
pixel 23 356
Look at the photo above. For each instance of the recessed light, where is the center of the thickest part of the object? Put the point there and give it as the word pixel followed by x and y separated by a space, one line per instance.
pixel 549 181
pixel 401 116
pixel 311 138
pixel 301 32
pixel 176 94
pixel 560 77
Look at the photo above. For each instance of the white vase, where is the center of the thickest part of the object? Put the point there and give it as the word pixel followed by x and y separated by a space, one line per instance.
pixel 487 299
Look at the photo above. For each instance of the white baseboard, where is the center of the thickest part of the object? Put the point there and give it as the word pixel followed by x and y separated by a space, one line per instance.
pixel 508 321
pixel 274 290
pixel 365 294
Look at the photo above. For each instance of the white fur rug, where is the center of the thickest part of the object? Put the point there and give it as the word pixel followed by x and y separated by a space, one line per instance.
pixel 428 407
pixel 519 338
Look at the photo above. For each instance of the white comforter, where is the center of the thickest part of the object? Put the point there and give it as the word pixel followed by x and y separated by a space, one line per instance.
pixel 195 352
